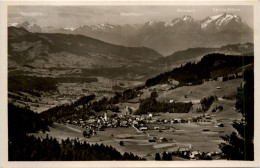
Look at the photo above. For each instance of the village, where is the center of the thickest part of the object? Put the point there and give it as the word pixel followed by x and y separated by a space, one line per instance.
pixel 148 125
pixel 155 132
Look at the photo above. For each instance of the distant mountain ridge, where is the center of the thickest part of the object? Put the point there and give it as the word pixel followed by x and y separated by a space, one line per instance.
pixel 195 54
pixel 56 50
pixel 165 37
pixel 67 50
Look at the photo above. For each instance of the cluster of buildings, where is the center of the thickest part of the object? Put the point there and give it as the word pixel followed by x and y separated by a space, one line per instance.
pixel 190 153
pixel 140 122
pixel 143 123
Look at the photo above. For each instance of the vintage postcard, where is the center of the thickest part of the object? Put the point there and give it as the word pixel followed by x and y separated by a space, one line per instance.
pixel 129 84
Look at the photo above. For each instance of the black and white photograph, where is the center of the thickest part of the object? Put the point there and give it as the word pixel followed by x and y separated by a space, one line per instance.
pixel 115 82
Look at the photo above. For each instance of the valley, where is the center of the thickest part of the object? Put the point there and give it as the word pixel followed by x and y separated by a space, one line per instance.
pixel 162 90
pixel 178 135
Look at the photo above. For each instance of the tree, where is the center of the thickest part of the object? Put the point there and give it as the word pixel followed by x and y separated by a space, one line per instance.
pixel 121 143
pixel 166 156
pixel 85 133
pixel 154 94
pixel 239 145
pixel 157 156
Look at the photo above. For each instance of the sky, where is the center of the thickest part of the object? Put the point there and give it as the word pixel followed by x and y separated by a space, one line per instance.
pixel 75 16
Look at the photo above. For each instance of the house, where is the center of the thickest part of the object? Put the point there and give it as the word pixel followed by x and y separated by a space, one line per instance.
pixel 135 122
pixel 91 121
pixel 177 120
pixel 184 151
pixel 156 128
pixel 163 128
pixel 193 155
pixel 152 121
pixel 152 139
pixel 171 101
pixel 219 125
pixel 101 128
pixel 218 87
pixel 194 119
pixel 150 115
pixel 123 124
pixel 162 139
pixel 208 117
pixel 143 128
pixel 92 117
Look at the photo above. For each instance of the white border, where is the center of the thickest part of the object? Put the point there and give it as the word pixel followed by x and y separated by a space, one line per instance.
pixel 3 91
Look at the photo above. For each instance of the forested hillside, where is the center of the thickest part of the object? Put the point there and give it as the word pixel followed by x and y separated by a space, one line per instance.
pixel 210 66
pixel 22 147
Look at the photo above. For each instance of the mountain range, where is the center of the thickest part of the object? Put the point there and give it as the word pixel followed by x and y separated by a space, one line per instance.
pixel 74 51
pixel 95 57
pixel 195 54
pixel 165 37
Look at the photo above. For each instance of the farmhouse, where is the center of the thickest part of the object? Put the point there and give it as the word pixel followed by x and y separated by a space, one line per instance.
pixel 177 120
pixel 193 155
pixel 219 125
pixel 152 139
pixel 156 128
pixel 171 101
pixel 123 124
pixel 143 128
pixel 162 139
pixel 184 151
pixel 208 117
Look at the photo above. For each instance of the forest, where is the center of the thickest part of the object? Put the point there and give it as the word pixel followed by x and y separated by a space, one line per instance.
pixel 31 83
pixel 31 148
pixel 207 101
pixel 65 111
pixel 206 68
pixel 152 105
pixel 22 121
pixel 86 106
pixel 22 147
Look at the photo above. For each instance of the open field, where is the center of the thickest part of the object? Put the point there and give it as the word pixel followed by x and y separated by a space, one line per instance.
pixel 193 93
pixel 177 134
pixel 200 91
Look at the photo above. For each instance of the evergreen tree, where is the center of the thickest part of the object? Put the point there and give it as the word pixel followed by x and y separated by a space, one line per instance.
pixel 166 156
pixel 157 156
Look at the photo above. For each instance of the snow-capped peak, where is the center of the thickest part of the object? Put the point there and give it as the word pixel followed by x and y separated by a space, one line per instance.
pixel 221 20
pixel 13 24
pixel 70 28
pixel 151 23
pixel 187 18
pixel 215 17
pixel 101 27
pixel 172 23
